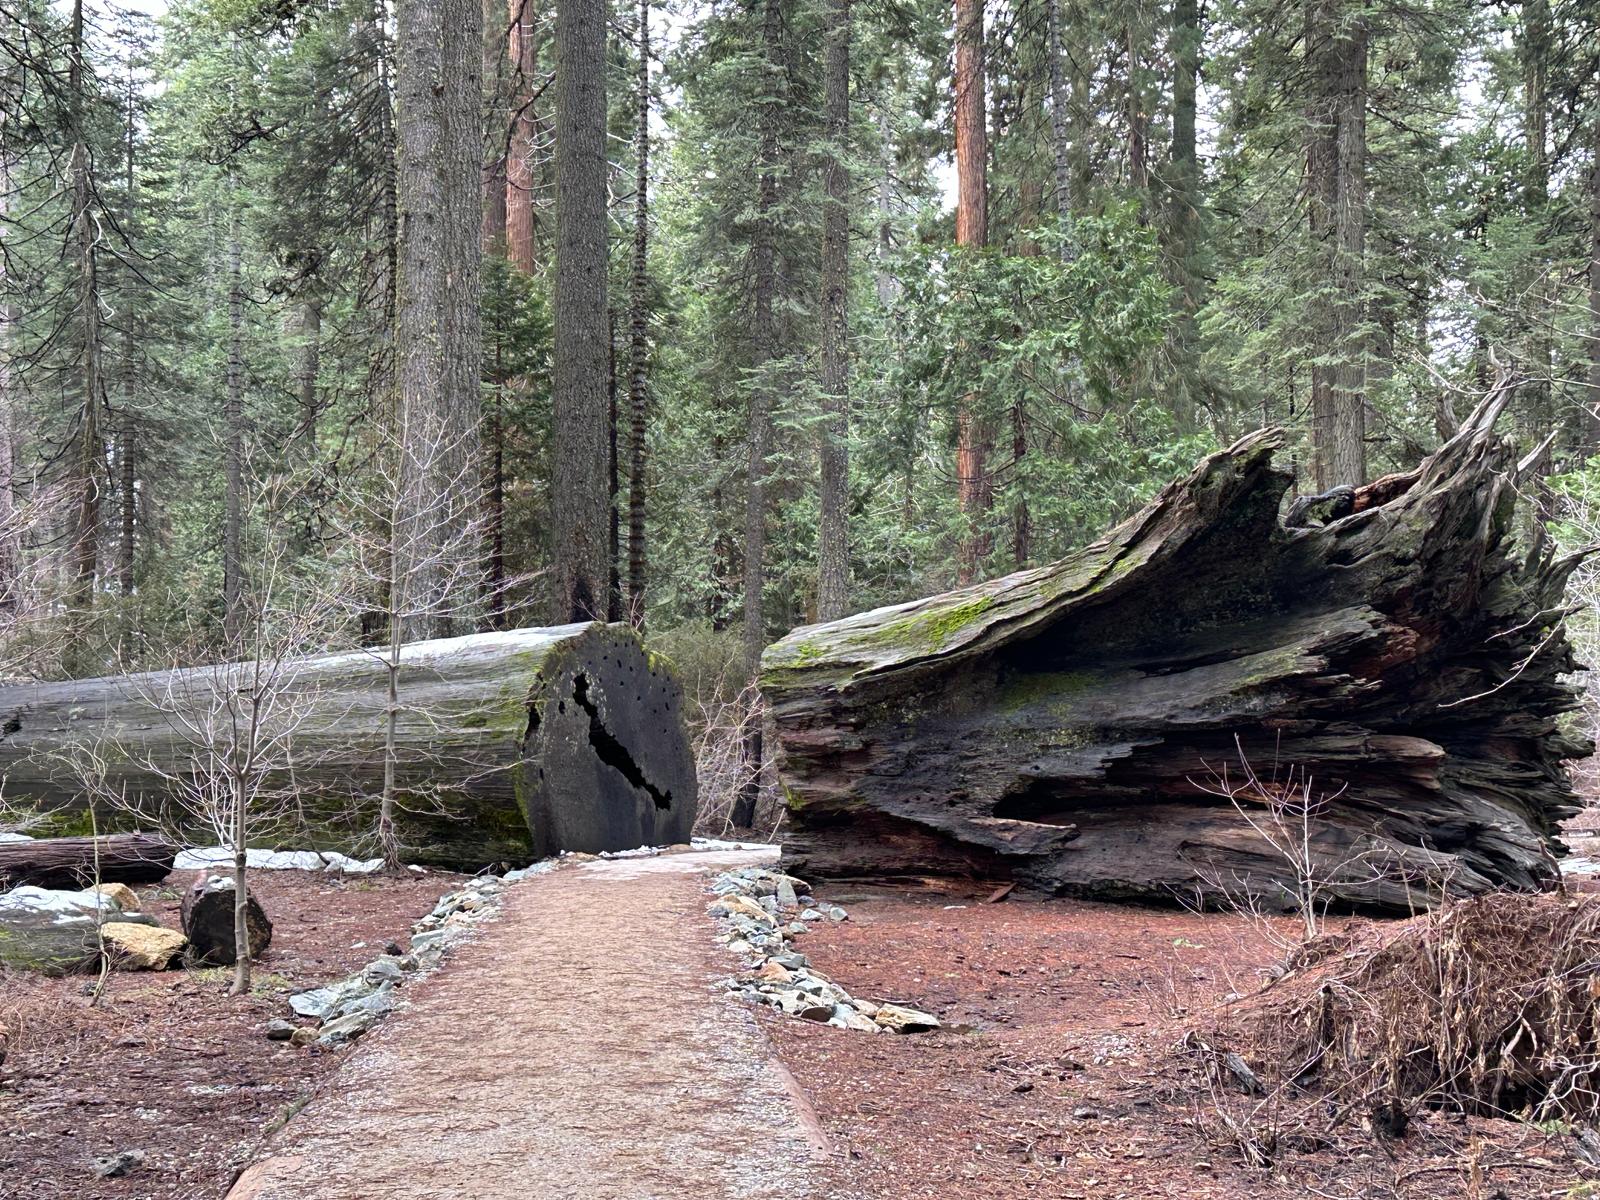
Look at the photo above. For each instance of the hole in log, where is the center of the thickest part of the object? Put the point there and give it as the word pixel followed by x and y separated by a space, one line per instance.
pixel 610 751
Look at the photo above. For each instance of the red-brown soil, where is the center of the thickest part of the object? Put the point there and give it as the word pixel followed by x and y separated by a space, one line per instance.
pixel 1056 1076
pixel 1067 1009
pixel 169 1063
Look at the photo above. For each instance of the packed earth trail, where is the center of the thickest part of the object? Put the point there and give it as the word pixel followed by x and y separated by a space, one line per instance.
pixel 578 1047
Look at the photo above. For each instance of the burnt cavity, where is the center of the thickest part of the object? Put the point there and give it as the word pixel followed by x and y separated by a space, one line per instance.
pixel 610 751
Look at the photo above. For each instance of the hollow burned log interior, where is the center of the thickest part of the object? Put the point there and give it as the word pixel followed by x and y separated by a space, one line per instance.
pixel 1069 727
pixel 508 745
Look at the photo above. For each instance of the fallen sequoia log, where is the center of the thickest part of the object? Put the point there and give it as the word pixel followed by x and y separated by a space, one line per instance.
pixel 76 862
pixel 508 745
pixel 1069 727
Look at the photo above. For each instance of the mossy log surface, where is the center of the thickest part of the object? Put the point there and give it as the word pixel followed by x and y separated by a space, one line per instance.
pixel 1059 727
pixel 509 745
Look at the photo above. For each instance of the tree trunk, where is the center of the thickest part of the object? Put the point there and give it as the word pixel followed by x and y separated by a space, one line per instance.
pixel 438 334
pixel 613 489
pixel 90 450
pixel 505 745
pixel 1336 160
pixel 1592 443
pixel 499 47
pixel 522 154
pixel 77 862
pixel 1067 727
pixel 833 561
pixel 233 437
pixel 1060 113
pixel 1534 51
pixel 1135 39
pixel 308 364
pixel 579 501
pixel 1184 186
pixel 974 438
pixel 639 333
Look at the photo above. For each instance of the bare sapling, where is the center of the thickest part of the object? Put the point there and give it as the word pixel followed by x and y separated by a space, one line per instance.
pixel 1284 811
pixel 232 725
pixel 415 569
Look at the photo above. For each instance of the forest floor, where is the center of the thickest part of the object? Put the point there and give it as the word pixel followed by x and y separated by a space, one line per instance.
pixel 1057 1074
pixel 169 1063
pixel 580 1047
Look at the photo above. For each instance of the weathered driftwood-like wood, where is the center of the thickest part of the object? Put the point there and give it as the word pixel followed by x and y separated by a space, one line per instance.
pixel 207 917
pixel 509 745
pixel 77 862
pixel 1058 726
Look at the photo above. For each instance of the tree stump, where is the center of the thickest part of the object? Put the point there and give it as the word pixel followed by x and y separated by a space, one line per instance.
pixel 1068 727
pixel 207 917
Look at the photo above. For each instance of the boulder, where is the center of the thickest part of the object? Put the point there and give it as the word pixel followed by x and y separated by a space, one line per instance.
pixel 208 921
pixel 898 1019
pixel 123 896
pixel 134 947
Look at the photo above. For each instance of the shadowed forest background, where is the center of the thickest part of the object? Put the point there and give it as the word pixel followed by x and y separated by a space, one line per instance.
pixel 898 297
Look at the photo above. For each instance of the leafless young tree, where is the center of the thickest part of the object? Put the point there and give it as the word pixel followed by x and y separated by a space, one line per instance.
pixel 223 745
pixel 403 568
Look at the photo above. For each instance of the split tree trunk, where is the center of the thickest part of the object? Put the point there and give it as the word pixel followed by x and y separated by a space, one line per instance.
pixel 76 862
pixel 507 745
pixel 1060 726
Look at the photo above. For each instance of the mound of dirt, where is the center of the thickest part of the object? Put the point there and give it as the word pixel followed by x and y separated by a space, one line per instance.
pixel 1486 1005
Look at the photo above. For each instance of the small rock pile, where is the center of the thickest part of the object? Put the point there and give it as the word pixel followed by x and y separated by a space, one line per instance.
pixel 349 1007
pixel 56 932
pixel 764 911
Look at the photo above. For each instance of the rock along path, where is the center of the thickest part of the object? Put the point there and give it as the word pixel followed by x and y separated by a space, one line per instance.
pixel 575 1048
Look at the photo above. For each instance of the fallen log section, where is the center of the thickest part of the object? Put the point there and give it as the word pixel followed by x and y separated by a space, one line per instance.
pixel 1208 702
pixel 507 745
pixel 77 862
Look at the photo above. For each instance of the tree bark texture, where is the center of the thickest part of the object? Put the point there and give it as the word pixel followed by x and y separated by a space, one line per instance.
pixel 78 862
pixel 498 48
pixel 438 333
pixel 1336 156
pixel 233 436
pixel 974 438
pixel 1059 727
pixel 833 560
pixel 89 466
pixel 520 173
pixel 506 745
pixel 639 335
pixel 582 327
pixel 1593 400
pixel 1060 113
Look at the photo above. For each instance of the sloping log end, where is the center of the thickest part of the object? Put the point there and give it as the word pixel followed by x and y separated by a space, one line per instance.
pixel 507 746
pixel 1080 728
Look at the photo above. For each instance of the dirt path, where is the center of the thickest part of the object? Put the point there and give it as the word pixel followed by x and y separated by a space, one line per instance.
pixel 576 1048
